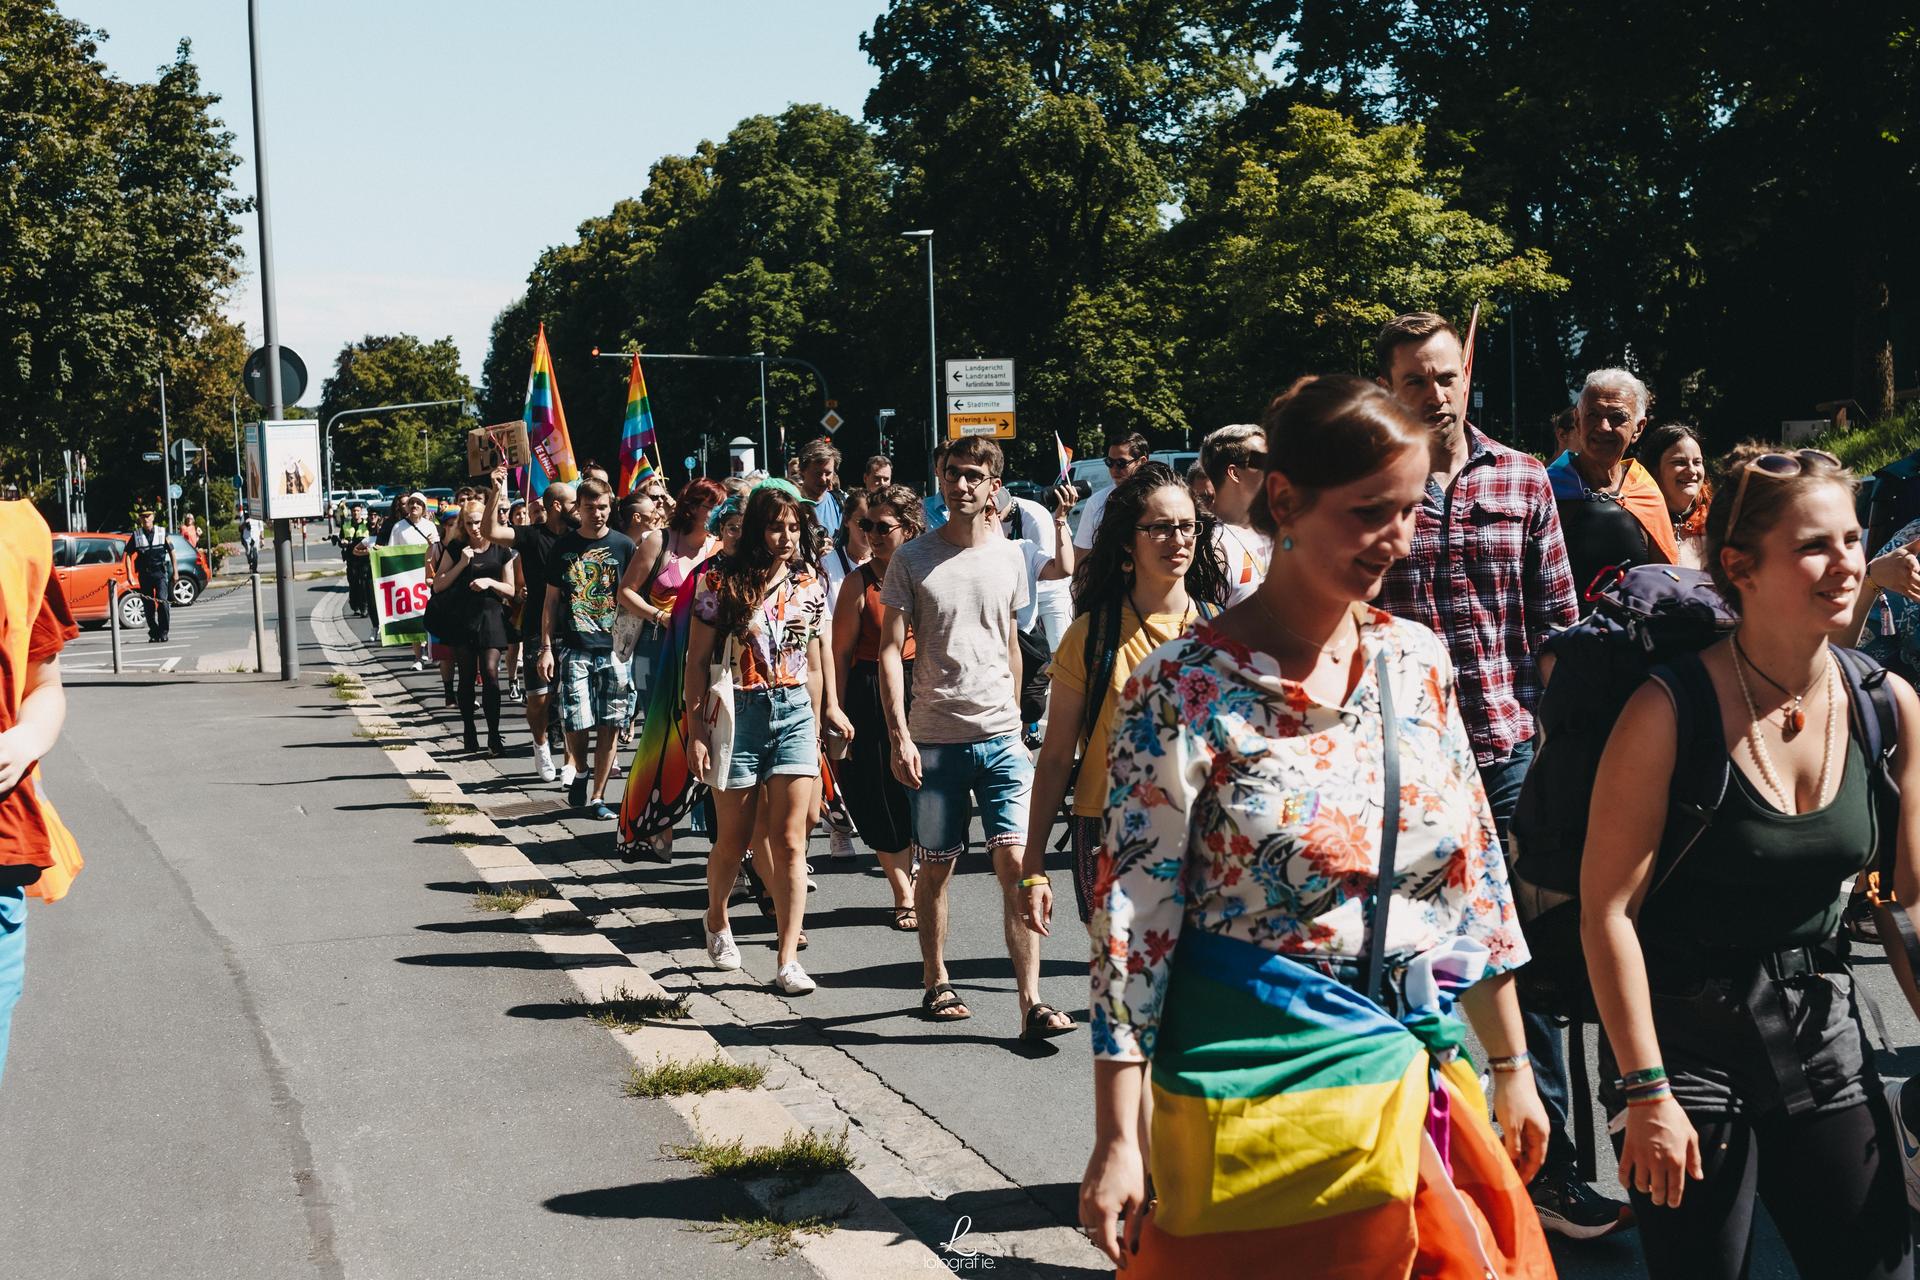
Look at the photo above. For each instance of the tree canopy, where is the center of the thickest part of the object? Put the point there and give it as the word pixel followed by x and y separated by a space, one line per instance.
pixel 420 446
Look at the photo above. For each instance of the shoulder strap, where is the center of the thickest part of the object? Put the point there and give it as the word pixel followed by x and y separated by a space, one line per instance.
pixel 1099 674
pixel 868 578
pixel 1375 944
pixel 1702 768
pixel 658 560
pixel 1876 723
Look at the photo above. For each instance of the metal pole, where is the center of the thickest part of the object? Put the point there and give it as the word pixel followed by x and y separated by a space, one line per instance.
pixel 259 626
pixel 933 377
pixel 1513 377
pixel 270 325
pixel 766 458
pixel 113 619
pixel 166 451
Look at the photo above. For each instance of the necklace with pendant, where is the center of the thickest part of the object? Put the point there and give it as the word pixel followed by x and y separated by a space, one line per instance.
pixel 1322 649
pixel 1795 718
pixel 1758 740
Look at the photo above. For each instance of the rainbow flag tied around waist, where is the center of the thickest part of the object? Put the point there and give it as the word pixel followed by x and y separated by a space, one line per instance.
pixel 1300 1129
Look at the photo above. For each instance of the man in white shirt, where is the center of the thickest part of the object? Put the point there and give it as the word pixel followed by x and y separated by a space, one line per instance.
pixel 1235 459
pixel 1125 452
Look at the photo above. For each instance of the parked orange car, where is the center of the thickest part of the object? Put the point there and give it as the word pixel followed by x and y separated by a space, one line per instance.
pixel 87 562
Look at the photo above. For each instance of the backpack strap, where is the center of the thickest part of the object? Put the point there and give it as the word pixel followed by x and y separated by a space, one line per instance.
pixel 1379 907
pixel 1702 767
pixel 1105 643
pixel 1876 724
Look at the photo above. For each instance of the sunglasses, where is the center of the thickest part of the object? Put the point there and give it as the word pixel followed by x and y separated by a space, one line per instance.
pixel 1778 465
pixel 876 528
pixel 1121 464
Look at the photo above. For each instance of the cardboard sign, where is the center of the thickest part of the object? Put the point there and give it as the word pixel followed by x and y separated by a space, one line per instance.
pixel 488 447
pixel 400 593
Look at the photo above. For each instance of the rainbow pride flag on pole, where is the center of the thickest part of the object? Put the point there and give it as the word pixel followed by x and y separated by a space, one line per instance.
pixel 546 422
pixel 1066 459
pixel 636 434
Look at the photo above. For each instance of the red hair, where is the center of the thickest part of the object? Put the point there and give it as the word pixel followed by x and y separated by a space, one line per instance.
pixel 702 492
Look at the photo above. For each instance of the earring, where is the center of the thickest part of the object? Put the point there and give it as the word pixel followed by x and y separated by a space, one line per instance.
pixel 1286 543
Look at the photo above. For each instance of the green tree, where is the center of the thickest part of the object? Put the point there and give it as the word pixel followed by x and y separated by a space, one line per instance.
pixel 1299 241
pixel 118 237
pixel 418 446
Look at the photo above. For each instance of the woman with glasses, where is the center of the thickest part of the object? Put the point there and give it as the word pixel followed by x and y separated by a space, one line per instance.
pixel 881 809
pixel 1151 575
pixel 1737 1062
pixel 1313 1111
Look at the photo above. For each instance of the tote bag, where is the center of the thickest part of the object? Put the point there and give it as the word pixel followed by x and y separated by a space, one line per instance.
pixel 718 711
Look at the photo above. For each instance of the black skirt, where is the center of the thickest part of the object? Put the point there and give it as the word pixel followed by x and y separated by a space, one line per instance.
pixel 881 809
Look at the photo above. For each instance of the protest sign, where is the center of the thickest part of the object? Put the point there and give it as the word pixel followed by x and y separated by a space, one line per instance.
pixel 488 447
pixel 400 593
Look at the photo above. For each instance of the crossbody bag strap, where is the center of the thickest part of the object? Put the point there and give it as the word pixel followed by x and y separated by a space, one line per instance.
pixel 1382 900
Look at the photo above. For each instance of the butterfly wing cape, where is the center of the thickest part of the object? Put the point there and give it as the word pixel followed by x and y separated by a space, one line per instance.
pixel 661 788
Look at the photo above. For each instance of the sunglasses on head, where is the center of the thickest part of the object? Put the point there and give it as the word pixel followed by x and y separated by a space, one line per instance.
pixel 1778 465
pixel 876 528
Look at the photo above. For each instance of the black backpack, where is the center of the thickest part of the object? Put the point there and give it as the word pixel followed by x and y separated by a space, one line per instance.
pixel 1649 623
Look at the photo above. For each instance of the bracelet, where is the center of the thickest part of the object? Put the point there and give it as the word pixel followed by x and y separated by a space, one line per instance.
pixel 1645 1076
pixel 1660 1093
pixel 1031 881
pixel 1515 1062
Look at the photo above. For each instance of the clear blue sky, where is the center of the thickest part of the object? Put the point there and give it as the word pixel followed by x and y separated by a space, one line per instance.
pixel 423 152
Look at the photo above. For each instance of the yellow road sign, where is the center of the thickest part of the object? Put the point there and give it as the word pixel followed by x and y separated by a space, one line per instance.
pixel 997 425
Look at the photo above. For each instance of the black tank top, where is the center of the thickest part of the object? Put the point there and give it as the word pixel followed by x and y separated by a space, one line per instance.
pixel 1599 533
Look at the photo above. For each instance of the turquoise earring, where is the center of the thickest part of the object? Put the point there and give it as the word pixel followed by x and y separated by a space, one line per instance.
pixel 1286 543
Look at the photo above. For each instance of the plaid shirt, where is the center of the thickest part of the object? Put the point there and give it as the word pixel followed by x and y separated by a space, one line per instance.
pixel 1487 570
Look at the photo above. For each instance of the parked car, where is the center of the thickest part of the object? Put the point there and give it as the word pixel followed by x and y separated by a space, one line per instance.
pixel 86 563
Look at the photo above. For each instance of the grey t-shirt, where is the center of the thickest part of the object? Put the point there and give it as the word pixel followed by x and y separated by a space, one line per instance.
pixel 960 602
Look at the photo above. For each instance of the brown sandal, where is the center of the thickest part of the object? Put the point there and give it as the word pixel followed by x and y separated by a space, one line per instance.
pixel 942 1001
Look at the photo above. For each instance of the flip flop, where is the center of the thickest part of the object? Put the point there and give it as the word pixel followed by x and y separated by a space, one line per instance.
pixel 906 920
pixel 1036 1027
pixel 940 1002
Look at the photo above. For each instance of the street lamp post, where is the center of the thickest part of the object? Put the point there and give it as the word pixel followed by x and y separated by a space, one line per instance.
pixel 326 434
pixel 166 451
pixel 925 235
pixel 765 457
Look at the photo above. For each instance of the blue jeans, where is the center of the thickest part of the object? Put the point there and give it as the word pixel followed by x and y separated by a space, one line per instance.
pixel 997 773
pixel 13 959
pixel 1546 1041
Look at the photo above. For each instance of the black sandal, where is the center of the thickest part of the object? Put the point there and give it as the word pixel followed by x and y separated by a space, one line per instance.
pixel 1037 1029
pixel 940 1002
pixel 906 920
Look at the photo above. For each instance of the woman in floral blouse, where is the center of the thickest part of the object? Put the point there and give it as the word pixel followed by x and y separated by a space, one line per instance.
pixel 1250 771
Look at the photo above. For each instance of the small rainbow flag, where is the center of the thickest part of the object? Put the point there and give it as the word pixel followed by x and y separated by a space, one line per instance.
pixel 636 433
pixel 546 422
pixel 1066 459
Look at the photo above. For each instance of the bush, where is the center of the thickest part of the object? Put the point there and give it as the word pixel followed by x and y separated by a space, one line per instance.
pixel 1865 449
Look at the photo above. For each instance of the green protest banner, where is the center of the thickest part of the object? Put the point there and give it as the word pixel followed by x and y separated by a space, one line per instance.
pixel 400 593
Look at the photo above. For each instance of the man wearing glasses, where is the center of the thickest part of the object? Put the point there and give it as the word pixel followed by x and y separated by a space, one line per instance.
pixel 1125 452
pixel 960 588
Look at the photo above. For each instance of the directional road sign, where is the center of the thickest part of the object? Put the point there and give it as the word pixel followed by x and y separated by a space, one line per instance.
pixel 973 377
pixel 152 455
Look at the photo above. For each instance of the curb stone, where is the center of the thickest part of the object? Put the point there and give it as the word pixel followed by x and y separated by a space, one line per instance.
pixel 869 1240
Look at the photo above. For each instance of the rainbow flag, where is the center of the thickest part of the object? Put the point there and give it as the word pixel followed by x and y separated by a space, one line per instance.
pixel 1294 1118
pixel 636 433
pixel 661 789
pixel 1066 459
pixel 546 422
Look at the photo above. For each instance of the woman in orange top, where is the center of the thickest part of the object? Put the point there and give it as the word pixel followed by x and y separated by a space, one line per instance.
pixel 881 809
pixel 37 854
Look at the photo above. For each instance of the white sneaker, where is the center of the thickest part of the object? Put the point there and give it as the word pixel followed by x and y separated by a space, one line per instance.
pixel 841 844
pixel 721 951
pixel 567 774
pixel 792 979
pixel 1909 1148
pixel 419 664
pixel 543 761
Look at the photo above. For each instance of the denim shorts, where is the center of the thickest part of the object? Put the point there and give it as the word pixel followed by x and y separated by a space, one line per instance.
pixel 773 735
pixel 997 774
pixel 595 689
pixel 13 958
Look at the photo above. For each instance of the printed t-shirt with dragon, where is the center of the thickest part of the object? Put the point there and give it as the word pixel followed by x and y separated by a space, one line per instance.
pixel 587 574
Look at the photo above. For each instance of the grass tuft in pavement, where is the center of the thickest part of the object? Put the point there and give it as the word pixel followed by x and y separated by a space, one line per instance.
pixel 781 1238
pixel 625 1010
pixel 441 814
pixel 377 734
pixel 393 746
pixel 671 1079
pixel 508 897
pixel 799 1155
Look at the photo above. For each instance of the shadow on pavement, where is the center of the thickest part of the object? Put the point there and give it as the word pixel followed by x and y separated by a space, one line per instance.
pixel 511 960
pixel 688 1199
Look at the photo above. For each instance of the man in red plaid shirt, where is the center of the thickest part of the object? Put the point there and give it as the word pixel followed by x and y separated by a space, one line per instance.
pixel 1487 570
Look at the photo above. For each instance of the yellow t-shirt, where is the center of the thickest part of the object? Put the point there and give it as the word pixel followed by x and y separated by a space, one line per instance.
pixel 1070 672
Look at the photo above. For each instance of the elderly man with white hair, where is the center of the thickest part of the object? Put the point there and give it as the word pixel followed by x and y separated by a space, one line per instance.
pixel 1611 510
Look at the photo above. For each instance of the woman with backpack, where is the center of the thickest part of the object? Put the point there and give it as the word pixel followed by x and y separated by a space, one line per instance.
pixel 1272 772
pixel 1734 1050
pixel 1152 573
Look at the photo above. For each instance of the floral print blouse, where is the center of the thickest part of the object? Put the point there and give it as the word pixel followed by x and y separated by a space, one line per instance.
pixel 1241 806
pixel 772 651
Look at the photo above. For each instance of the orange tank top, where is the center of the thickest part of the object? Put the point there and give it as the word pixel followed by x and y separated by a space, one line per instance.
pixel 866 647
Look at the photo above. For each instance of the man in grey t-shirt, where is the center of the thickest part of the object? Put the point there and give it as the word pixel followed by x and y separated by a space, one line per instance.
pixel 958 588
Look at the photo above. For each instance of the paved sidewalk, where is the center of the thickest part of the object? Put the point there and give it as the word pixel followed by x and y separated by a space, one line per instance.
pixel 268 1035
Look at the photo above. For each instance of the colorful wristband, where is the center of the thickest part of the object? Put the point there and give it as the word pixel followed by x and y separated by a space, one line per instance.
pixel 1647 1075
pixel 1031 881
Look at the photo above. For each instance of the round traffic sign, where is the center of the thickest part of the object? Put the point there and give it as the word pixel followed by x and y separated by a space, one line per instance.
pixel 293 377
pixel 174 491
pixel 690 462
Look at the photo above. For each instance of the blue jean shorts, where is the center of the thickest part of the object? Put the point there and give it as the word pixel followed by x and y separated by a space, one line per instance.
pixel 997 774
pixel 13 958
pixel 594 689
pixel 773 735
